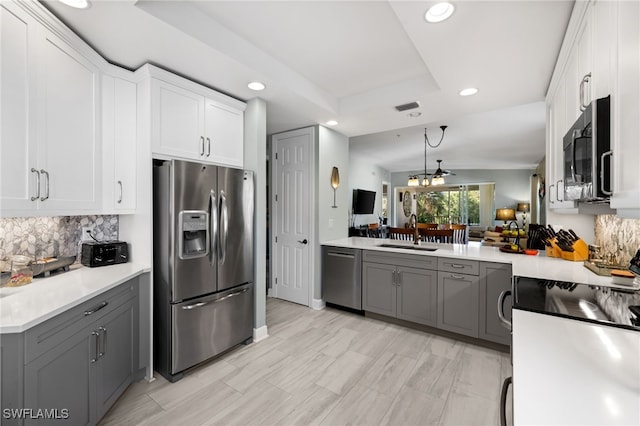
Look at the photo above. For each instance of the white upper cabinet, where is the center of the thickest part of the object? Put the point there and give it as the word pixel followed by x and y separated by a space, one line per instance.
pixel 224 127
pixel 17 146
pixel 626 111
pixel 119 127
pixel 50 134
pixel 192 122
pixel 178 115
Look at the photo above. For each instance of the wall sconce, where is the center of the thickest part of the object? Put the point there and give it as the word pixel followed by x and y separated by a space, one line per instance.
pixel 524 208
pixel 335 183
pixel 505 215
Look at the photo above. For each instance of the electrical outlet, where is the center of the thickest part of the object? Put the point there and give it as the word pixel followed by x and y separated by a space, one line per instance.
pixel 87 231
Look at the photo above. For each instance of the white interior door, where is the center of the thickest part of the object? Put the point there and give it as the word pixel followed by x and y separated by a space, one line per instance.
pixel 292 234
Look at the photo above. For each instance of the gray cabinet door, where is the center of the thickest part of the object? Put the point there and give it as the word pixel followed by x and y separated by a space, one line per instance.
pixel 417 295
pixel 379 289
pixel 458 303
pixel 494 279
pixel 62 378
pixel 117 349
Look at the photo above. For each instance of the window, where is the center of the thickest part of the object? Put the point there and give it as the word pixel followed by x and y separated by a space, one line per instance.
pixel 455 204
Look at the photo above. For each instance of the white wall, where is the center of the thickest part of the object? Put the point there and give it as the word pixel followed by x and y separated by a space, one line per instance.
pixel 255 158
pixel 333 150
pixel 365 175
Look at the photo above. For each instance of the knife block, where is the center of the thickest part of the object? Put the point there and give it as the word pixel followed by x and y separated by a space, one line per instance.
pixel 554 250
pixel 580 252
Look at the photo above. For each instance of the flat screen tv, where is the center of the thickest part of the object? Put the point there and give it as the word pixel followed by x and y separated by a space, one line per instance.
pixel 363 201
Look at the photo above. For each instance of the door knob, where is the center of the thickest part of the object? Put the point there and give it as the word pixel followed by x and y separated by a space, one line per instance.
pixel 303 241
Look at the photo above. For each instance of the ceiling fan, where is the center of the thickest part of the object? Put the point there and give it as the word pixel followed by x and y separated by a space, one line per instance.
pixel 440 172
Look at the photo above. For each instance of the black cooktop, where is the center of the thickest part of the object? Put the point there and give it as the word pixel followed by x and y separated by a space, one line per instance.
pixel 605 305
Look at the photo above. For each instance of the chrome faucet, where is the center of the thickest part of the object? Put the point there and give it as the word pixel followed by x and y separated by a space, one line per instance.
pixel 413 222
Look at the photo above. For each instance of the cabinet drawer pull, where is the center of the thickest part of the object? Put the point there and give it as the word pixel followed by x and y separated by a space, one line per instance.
pixel 94 335
pixel 37 172
pixel 550 192
pixel 457 277
pixel 558 190
pixel 457 266
pixel 46 174
pixel 201 146
pixel 120 197
pixel 95 309
pixel 102 332
pixel 208 147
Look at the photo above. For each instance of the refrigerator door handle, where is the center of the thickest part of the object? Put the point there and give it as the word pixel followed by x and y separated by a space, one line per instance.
pixel 213 217
pixel 224 226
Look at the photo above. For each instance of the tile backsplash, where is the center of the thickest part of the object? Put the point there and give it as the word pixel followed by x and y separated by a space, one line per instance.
pixel 39 237
pixel 618 237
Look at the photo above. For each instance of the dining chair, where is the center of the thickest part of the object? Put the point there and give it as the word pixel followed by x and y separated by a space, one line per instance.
pixel 437 235
pixel 427 226
pixel 459 232
pixel 401 234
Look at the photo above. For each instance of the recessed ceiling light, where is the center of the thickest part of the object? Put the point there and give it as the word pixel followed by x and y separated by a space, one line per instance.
pixel 468 91
pixel 415 114
pixel 256 85
pixel 439 12
pixel 332 123
pixel 78 4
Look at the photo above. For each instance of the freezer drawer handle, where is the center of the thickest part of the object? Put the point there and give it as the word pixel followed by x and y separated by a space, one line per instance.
pixel 505 322
pixel 95 309
pixel 201 304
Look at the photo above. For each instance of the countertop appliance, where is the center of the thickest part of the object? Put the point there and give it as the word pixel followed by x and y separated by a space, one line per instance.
pixel 342 277
pixel 103 253
pixel 575 350
pixel 587 154
pixel 203 262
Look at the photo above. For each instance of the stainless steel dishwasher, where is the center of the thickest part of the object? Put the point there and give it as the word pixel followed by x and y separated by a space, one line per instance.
pixel 342 276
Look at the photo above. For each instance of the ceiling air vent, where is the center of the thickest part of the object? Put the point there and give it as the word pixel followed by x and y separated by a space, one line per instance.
pixel 405 107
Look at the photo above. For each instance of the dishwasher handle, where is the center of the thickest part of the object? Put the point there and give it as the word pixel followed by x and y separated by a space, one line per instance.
pixel 345 255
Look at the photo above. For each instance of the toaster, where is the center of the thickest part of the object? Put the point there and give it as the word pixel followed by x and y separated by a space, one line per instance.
pixel 103 253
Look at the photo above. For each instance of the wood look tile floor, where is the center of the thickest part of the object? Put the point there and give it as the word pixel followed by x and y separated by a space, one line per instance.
pixel 328 367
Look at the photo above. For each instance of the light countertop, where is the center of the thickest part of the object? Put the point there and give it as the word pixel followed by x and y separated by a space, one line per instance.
pixel 540 266
pixel 568 372
pixel 24 307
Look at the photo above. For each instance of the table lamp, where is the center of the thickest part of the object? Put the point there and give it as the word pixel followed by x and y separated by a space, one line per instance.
pixel 505 215
pixel 524 208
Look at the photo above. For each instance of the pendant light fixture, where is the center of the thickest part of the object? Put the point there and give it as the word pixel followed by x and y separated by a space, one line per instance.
pixel 414 180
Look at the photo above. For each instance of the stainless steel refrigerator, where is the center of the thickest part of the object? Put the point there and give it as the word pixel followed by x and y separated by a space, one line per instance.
pixel 203 262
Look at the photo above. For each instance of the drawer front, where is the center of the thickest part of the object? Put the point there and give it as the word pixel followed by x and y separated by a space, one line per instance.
pixel 400 259
pixel 459 266
pixel 50 333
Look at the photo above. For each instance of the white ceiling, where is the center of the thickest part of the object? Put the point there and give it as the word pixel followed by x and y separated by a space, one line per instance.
pixel 353 61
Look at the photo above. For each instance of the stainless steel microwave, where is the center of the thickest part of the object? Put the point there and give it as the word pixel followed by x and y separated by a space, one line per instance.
pixel 587 154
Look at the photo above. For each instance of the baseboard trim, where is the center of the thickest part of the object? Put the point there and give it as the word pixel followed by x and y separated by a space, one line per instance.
pixel 317 304
pixel 260 333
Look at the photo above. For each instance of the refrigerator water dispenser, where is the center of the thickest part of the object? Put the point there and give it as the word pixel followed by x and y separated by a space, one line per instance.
pixel 193 234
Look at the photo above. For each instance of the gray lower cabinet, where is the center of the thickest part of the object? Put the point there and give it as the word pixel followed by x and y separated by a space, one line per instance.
pixel 494 279
pixel 79 362
pixel 400 286
pixel 458 303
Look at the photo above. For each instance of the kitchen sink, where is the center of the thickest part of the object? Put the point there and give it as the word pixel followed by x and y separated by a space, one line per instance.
pixel 414 247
